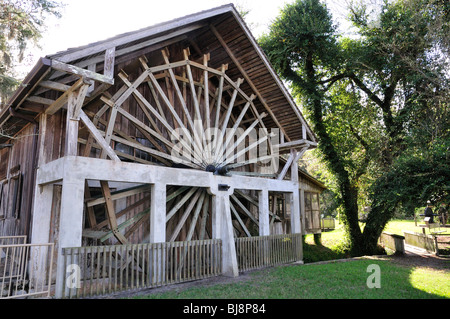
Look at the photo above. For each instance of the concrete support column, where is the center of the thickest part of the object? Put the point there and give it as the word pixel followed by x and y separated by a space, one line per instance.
pixel 223 229
pixel 158 213
pixel 70 225
pixel 42 210
pixel 157 230
pixel 264 222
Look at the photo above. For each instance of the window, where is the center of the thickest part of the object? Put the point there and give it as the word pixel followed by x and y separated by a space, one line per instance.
pixel 312 211
pixel 16 194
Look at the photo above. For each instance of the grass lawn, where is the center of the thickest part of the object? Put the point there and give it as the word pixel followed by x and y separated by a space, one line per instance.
pixel 334 280
pixel 337 280
pixel 397 226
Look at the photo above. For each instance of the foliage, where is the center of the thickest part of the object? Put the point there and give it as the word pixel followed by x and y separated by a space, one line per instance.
pixel 369 99
pixel 398 188
pixel 21 23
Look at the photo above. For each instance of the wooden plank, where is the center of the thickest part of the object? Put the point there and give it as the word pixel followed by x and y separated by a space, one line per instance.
pixel 247 78
pixel 54 86
pixel 196 215
pixel 98 137
pixel 91 214
pixel 241 223
pixel 40 100
pixel 238 141
pixel 286 166
pixel 111 215
pixel 138 95
pixel 125 224
pixel 108 69
pixel 59 103
pixel 151 151
pixel 72 69
pixel 119 194
pixel 183 218
pixel 74 102
pixel 246 211
pixel 197 131
pixel 173 211
pixel 97 116
pixel 238 122
pixel 125 210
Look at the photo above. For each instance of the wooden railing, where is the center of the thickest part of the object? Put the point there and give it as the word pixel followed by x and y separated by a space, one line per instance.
pixel 25 269
pixel 100 270
pixel 265 251
pixel 13 240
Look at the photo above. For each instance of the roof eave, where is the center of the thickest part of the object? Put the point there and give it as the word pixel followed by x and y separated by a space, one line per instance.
pixel 271 70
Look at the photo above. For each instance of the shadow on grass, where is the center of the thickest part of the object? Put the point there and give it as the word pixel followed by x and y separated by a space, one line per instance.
pixel 318 252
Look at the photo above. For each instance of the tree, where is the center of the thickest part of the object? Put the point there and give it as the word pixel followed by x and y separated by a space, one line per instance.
pixel 21 23
pixel 362 95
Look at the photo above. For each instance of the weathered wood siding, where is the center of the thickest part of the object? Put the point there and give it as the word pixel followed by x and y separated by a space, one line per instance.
pixel 17 182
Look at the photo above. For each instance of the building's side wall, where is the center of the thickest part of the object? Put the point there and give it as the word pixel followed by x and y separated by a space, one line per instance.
pixel 17 178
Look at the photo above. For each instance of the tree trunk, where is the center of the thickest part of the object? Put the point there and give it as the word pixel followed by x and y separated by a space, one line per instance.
pixel 349 194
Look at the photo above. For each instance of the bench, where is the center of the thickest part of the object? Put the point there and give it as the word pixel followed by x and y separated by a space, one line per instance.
pixel 434 228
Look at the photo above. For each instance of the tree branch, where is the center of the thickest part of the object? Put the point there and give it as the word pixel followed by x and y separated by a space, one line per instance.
pixel 366 90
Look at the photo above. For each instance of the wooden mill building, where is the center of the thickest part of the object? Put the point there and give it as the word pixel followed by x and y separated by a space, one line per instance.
pixel 88 142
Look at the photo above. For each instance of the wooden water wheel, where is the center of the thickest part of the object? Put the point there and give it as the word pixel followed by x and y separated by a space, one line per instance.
pixel 181 114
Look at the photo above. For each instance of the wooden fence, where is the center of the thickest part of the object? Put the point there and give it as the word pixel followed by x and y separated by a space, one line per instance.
pixel 266 251
pixel 19 276
pixel 100 270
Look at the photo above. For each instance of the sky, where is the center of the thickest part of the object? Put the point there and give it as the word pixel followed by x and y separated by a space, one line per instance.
pixel 87 21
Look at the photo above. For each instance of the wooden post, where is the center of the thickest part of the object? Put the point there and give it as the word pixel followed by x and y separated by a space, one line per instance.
pixel 74 104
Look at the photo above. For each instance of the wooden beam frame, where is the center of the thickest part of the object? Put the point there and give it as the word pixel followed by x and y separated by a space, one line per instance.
pixel 72 69
pixel 247 78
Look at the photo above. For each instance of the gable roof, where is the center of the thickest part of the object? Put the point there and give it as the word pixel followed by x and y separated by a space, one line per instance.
pixel 219 31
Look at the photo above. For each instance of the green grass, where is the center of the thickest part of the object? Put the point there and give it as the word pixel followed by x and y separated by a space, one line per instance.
pixel 339 280
pixel 334 280
pixel 331 246
pixel 397 226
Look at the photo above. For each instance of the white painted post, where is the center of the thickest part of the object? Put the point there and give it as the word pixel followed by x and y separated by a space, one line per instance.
pixel 158 213
pixel 223 229
pixel 158 230
pixel 70 225
pixel 264 222
pixel 42 211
